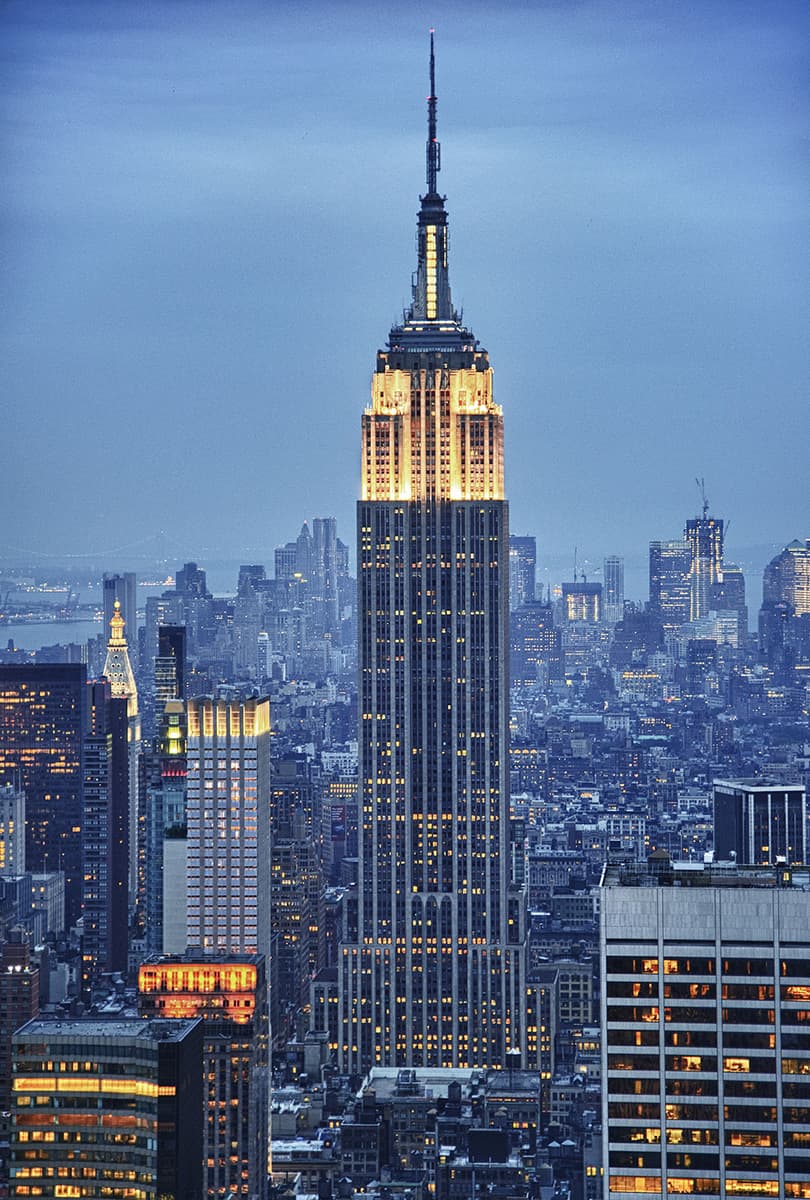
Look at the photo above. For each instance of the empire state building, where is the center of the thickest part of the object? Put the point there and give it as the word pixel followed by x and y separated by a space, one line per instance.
pixel 431 966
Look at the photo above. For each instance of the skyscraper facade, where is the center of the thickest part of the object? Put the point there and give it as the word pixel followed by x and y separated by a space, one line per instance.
pixel 166 903
pixel 729 596
pixel 705 975
pixel 110 1108
pixel 230 995
pixel 787 577
pixel 228 809
pixel 105 837
pixel 12 829
pixel 42 726
pixel 432 964
pixel 522 569
pixel 704 535
pixel 760 822
pixel 670 591
pixel 170 665
pixel 122 589
pixel 613 595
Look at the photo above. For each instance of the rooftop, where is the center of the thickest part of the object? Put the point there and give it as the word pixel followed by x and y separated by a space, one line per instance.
pixel 156 1029
pixel 759 785
pixel 660 871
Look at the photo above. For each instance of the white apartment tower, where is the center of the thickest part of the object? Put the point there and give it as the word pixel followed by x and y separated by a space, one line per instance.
pixel 228 808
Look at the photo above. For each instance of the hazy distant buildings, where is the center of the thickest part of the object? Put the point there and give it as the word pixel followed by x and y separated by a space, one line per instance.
pixel 228 813
pixel 522 570
pixel 248 618
pixel 759 823
pixel 42 728
pixel 324 576
pixel 582 601
pixel 728 595
pixel 535 645
pixel 431 965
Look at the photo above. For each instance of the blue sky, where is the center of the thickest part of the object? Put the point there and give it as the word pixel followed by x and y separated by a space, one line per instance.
pixel 208 225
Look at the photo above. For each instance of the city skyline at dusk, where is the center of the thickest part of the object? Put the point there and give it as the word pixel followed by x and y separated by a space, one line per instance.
pixel 428 821
pixel 203 218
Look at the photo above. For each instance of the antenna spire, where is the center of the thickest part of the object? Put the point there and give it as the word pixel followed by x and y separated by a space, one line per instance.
pixel 434 151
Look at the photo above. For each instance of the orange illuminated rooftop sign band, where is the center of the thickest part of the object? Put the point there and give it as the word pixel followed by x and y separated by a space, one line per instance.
pixel 197 977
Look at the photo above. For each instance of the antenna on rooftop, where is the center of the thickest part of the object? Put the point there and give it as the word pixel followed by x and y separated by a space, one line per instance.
pixel 434 151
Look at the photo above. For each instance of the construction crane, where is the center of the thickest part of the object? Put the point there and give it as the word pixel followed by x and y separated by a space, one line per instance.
pixel 701 483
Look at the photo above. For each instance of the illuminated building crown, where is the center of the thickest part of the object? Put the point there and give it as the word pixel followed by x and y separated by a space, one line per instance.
pixel 117 667
pixel 432 430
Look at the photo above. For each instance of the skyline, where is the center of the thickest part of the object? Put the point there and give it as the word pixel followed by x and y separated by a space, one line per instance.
pixel 156 167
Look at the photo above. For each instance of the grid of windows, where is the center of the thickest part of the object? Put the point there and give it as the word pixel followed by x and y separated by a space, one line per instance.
pixel 706 1045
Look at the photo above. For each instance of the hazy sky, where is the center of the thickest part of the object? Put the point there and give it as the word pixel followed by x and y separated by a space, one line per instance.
pixel 208 227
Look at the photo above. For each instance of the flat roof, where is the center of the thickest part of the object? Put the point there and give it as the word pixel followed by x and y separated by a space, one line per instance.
pixel 759 785
pixel 149 1029
pixel 706 875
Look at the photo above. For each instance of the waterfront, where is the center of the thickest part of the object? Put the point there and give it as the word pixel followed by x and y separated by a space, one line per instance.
pixel 36 634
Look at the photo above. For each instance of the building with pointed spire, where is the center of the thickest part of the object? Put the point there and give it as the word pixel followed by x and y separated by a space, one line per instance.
pixel 119 674
pixel 117 667
pixel 431 968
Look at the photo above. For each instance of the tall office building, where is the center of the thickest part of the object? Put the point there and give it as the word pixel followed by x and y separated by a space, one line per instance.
pixel 704 535
pixel 582 601
pixel 324 583
pixel 170 665
pixel 166 866
pixel 107 1108
pixel 119 674
pixel 613 593
pixel 228 810
pixel 19 1002
pixel 670 588
pixel 43 713
pixel 705 1051
pixel 535 644
pixel 122 589
pixel 729 596
pixel 431 969
pixel 760 823
pixel 230 995
pixel 105 837
pixel 12 829
pixel 522 570
pixel 786 578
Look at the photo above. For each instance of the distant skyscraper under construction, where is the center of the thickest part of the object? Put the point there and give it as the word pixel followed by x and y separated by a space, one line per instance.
pixel 704 536
pixel 432 962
